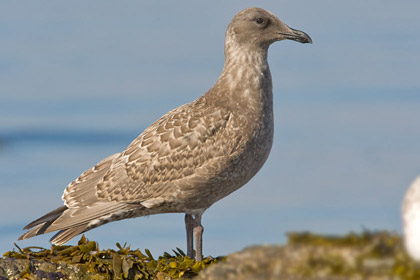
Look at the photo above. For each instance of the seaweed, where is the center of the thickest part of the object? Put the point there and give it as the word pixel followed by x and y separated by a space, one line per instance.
pixel 123 263
pixel 365 255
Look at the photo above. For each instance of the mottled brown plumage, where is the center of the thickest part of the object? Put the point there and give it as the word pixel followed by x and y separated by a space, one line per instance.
pixel 195 154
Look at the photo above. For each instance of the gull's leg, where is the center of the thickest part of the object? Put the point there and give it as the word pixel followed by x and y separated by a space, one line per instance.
pixel 189 227
pixel 198 236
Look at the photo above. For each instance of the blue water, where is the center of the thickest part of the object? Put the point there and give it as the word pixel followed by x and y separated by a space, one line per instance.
pixel 79 81
pixel 341 166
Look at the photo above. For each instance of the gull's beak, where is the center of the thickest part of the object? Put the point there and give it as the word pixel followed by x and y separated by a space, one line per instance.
pixel 296 35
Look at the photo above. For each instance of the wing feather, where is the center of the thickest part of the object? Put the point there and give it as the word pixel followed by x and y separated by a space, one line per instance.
pixel 168 155
pixel 81 192
pixel 74 217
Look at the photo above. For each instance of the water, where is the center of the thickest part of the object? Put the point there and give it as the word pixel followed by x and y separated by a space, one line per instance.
pixel 78 84
pixel 333 169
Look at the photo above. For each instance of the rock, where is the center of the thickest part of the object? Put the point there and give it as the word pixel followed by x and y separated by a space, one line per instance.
pixel 306 256
pixel 368 256
pixel 34 269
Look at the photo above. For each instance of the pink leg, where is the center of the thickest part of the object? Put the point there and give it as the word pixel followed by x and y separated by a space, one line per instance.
pixel 198 236
pixel 189 226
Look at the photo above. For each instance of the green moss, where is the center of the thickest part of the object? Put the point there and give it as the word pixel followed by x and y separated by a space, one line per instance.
pixel 379 253
pixel 121 264
pixel 350 239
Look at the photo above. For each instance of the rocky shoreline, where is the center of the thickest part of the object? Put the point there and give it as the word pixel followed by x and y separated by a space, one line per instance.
pixel 306 256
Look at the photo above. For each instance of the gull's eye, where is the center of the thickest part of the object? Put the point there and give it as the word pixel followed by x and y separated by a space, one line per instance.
pixel 260 20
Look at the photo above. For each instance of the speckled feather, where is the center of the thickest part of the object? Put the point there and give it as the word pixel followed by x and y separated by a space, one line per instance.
pixel 195 154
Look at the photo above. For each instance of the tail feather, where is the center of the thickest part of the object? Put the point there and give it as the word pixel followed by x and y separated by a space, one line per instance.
pixel 65 235
pixel 82 210
pixel 47 218
pixel 31 233
pixel 70 222
pixel 39 226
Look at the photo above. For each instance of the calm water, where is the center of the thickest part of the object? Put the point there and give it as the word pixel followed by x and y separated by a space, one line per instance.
pixel 78 81
pixel 335 169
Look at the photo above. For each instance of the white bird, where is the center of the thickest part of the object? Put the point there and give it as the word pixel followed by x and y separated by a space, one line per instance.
pixel 411 220
pixel 195 154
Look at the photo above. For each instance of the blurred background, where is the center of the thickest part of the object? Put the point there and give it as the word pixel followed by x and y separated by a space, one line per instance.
pixel 79 80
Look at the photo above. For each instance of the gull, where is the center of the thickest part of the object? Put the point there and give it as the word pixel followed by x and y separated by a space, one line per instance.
pixel 191 157
pixel 411 220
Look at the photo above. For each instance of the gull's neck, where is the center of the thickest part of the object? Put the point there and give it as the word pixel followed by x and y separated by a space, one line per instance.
pixel 245 66
pixel 245 80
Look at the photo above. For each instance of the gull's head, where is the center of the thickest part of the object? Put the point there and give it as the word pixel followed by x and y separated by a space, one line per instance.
pixel 256 27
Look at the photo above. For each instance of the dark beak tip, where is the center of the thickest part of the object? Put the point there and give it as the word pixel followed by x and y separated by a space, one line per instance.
pixel 298 36
pixel 305 38
pixel 302 40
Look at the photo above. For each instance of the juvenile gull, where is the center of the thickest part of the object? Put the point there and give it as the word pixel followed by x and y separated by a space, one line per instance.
pixel 194 155
pixel 411 220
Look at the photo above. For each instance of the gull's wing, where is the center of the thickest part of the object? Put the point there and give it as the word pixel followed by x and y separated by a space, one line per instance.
pixel 82 191
pixel 184 147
